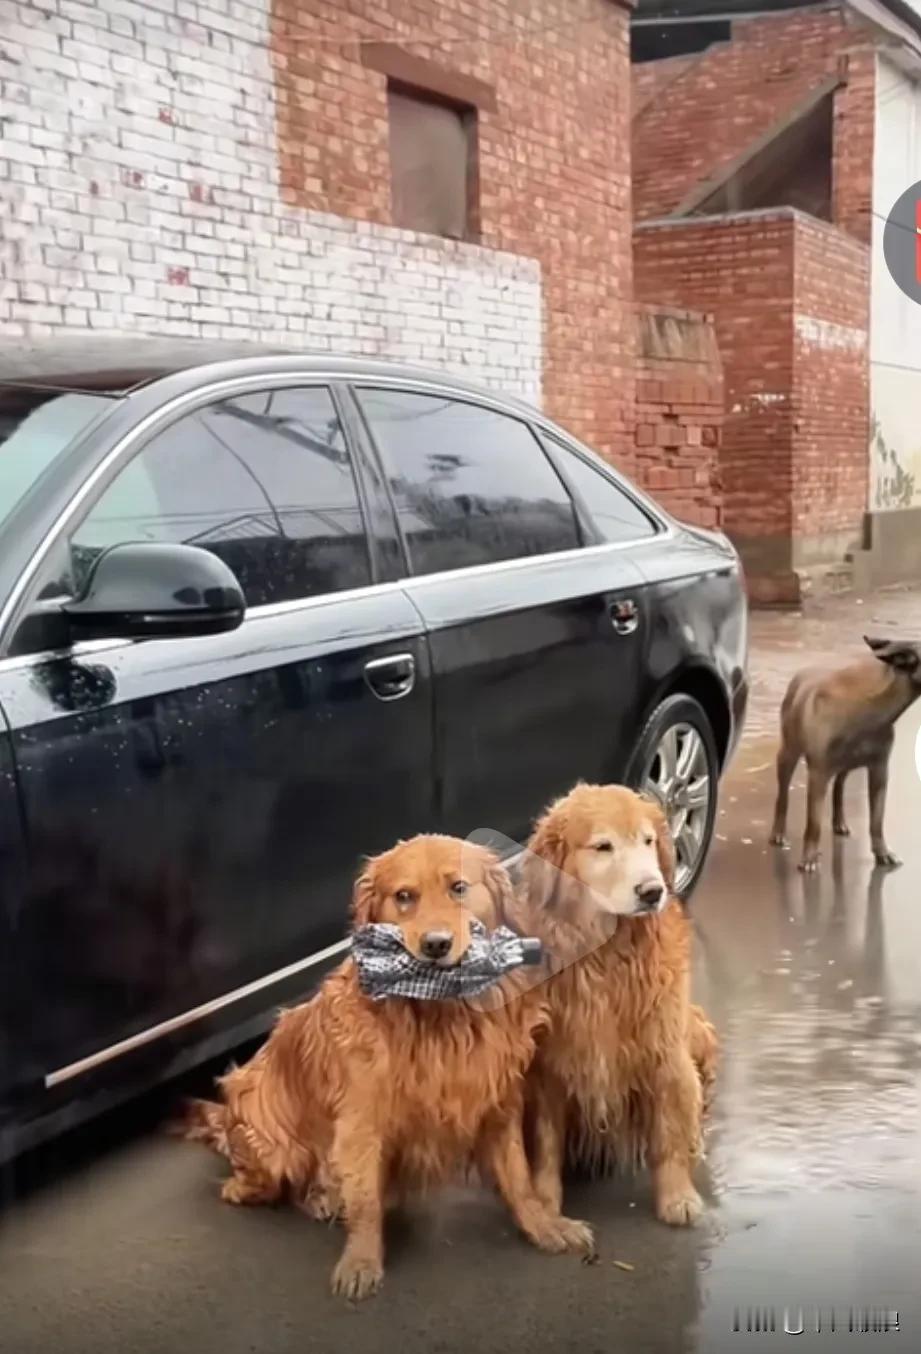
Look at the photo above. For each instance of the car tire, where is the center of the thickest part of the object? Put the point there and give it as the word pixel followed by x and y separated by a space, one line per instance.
pixel 676 762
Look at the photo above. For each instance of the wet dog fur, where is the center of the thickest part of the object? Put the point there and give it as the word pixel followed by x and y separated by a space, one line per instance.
pixel 625 1067
pixel 351 1102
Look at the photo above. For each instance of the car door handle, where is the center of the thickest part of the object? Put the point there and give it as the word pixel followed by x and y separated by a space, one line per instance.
pixel 625 616
pixel 391 677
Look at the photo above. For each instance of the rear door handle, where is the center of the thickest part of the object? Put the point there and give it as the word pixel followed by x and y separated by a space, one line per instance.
pixel 391 677
pixel 625 616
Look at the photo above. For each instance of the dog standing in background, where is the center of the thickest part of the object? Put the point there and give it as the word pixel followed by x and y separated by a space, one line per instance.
pixel 838 720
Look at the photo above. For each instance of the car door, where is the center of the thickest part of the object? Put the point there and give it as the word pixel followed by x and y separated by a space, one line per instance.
pixel 19 1073
pixel 196 808
pixel 536 641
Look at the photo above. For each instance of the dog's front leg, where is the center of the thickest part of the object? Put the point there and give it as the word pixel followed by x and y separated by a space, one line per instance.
pixel 877 784
pixel 675 1145
pixel 549 1146
pixel 502 1155
pixel 815 801
pixel 357 1162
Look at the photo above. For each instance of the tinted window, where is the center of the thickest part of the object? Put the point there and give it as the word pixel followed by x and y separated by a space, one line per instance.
pixel 471 486
pixel 264 481
pixel 614 513
pixel 36 428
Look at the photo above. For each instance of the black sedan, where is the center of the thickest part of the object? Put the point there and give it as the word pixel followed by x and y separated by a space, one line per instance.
pixel 260 614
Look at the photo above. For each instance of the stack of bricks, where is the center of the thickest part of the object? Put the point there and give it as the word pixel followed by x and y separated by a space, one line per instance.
pixel 679 412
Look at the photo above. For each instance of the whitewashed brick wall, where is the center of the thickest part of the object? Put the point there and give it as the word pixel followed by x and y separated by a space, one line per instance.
pixel 139 192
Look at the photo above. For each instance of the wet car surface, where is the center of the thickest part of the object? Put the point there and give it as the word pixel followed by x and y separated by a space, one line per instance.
pixel 812 1173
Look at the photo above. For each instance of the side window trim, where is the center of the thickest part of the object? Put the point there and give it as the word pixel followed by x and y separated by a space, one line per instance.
pixel 553 444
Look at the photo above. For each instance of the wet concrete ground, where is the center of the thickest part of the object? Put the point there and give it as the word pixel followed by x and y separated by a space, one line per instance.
pixel 813 1162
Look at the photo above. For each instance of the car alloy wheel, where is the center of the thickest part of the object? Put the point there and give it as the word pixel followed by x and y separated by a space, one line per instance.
pixel 678 777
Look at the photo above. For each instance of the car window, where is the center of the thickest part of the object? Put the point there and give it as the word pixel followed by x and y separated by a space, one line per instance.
pixel 36 428
pixel 263 481
pixel 615 514
pixel 471 486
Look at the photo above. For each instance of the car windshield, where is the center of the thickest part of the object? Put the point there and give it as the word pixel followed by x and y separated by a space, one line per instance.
pixel 37 425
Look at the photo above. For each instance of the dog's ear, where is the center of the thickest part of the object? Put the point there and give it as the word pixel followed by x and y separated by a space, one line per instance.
pixel 364 897
pixel 545 856
pixel 499 882
pixel 896 653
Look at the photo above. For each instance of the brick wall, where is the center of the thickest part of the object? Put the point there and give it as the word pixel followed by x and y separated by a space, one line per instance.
pixel 222 170
pixel 830 385
pixel 683 131
pixel 787 294
pixel 679 412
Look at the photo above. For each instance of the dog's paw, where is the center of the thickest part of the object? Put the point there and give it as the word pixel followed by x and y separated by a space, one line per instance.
pixel 356 1277
pixel 239 1191
pixel 778 839
pixel 321 1205
pixel 841 830
pixel 887 860
pixel 682 1209
pixel 557 1235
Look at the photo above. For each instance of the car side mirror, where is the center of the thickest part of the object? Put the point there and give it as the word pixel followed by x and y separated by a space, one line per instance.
pixel 148 590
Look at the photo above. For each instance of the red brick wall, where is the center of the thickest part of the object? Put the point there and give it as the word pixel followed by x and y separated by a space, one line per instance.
pixel 741 270
pixel 679 412
pixel 789 298
pixel 733 93
pixel 650 79
pixel 830 381
pixel 855 124
pixel 554 159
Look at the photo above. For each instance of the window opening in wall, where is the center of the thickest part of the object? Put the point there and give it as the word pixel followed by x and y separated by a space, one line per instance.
pixel 433 164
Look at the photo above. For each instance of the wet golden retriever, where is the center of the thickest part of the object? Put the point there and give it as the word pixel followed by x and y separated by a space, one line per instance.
pixel 627 1061
pixel 352 1102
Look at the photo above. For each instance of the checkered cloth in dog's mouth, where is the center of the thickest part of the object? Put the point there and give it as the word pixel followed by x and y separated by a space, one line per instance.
pixel 387 969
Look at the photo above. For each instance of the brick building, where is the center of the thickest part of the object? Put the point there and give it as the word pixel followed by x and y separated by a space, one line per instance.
pixel 767 152
pixel 446 183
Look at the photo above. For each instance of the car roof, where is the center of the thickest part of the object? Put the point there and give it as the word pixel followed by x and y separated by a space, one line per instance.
pixel 119 364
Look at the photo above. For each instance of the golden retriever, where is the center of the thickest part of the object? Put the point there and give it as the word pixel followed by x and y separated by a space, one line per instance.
pixel 353 1101
pixel 626 1063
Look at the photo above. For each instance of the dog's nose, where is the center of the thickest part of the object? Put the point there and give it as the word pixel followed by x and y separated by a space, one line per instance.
pixel 650 892
pixel 436 944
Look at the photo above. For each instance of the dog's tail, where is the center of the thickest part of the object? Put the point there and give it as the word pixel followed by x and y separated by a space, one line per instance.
pixel 204 1121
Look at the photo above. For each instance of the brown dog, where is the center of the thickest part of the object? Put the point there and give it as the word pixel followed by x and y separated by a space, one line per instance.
pixel 351 1101
pixel 840 719
pixel 619 1074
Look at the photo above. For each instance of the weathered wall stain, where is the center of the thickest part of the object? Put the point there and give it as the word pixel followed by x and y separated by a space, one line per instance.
pixel 895 486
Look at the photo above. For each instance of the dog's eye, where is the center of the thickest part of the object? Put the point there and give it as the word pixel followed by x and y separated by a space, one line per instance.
pixel 649 839
pixel 604 846
pixel 459 888
pixel 403 897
